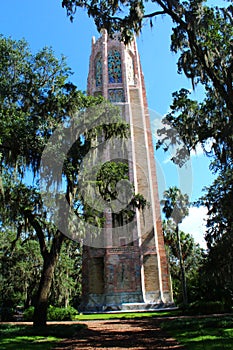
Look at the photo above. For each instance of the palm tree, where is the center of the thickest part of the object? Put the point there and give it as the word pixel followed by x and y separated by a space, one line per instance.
pixel 175 207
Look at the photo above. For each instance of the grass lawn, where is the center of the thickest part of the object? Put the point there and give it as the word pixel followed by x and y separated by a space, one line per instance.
pixel 24 337
pixel 125 315
pixel 208 333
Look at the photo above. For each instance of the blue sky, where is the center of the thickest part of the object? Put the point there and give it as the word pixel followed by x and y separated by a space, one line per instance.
pixel 44 23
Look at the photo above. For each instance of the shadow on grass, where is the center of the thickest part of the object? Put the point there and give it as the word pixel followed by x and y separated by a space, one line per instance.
pixel 22 337
pixel 209 333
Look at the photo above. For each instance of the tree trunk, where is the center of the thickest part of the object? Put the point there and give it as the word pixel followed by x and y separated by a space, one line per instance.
pixel 50 262
pixel 183 277
pixel 40 313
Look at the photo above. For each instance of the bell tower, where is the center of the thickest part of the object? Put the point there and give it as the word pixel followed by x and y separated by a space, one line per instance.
pixel 131 271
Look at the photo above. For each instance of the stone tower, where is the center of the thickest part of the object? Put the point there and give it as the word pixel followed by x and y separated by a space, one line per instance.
pixel 131 271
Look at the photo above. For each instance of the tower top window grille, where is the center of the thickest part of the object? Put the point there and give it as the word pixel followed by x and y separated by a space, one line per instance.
pixel 114 67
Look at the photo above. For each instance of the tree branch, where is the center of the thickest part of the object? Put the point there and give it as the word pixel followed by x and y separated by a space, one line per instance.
pixel 168 10
pixel 198 52
pixel 56 245
pixel 37 227
pixel 153 14
pixel 19 231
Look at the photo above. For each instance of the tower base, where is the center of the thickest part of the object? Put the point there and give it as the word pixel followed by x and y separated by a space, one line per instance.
pixel 117 303
pixel 128 307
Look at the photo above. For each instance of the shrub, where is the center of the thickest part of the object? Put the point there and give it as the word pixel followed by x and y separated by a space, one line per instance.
pixel 61 314
pixel 206 308
pixel 28 314
pixel 53 314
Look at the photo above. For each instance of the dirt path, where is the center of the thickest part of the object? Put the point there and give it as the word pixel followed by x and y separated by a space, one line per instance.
pixel 121 334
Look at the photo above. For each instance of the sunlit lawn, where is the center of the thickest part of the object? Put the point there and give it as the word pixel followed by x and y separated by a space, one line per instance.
pixel 22 337
pixel 27 342
pixel 125 315
pixel 209 333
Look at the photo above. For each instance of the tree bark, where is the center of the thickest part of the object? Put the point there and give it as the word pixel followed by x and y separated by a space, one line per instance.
pixel 40 313
pixel 50 262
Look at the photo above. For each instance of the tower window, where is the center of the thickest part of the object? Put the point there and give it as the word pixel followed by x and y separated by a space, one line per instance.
pixel 116 95
pixel 114 67
pixel 98 70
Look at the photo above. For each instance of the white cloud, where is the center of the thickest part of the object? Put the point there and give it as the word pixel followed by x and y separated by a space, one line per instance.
pixel 198 151
pixel 195 224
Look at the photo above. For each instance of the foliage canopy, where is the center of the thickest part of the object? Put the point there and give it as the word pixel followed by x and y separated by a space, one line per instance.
pixel 36 100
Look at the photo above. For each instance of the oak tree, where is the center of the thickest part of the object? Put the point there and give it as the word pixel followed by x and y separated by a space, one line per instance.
pixel 36 99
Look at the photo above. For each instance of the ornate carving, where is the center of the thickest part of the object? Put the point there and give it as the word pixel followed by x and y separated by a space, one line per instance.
pixel 130 69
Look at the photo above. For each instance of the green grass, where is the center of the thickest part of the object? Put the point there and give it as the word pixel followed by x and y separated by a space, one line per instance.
pixel 25 337
pixel 209 333
pixel 22 337
pixel 125 315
